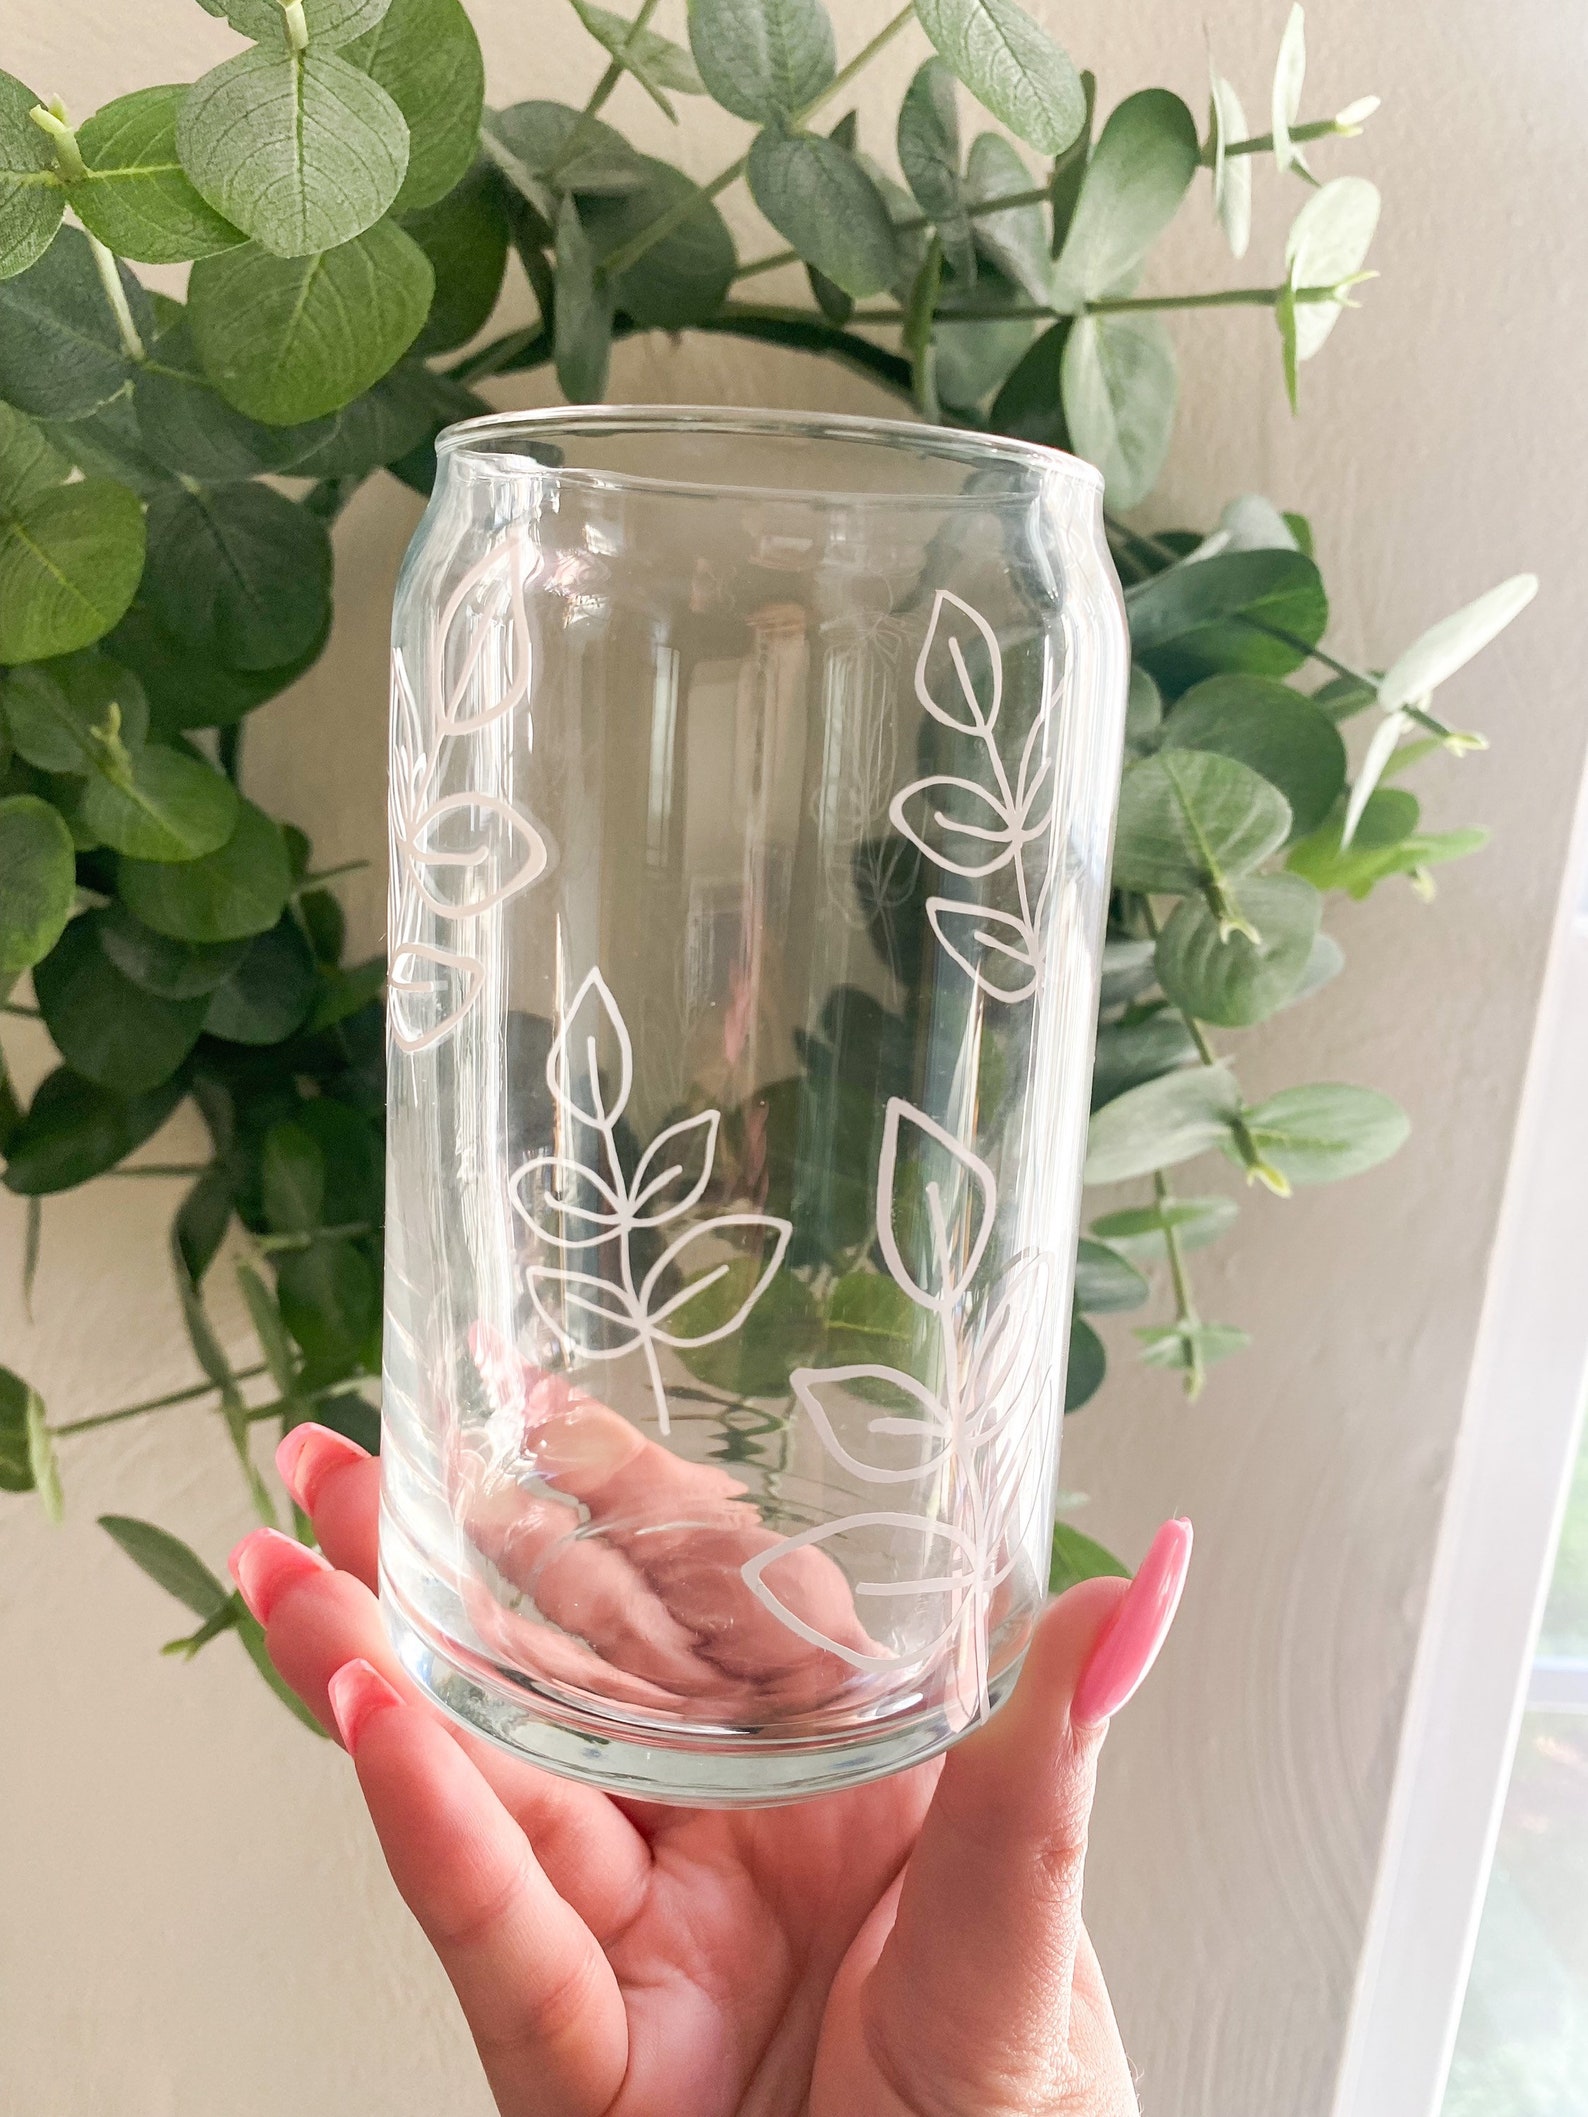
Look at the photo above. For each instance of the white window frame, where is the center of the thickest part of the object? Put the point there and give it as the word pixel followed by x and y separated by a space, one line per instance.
pixel 1519 1434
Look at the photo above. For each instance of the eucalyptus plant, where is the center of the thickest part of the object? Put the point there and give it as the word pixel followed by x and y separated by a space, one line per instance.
pixel 169 470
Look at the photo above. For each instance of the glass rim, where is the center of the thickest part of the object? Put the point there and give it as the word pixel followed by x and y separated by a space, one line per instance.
pixel 469 438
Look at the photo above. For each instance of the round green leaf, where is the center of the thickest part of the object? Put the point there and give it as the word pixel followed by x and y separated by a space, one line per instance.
pixel 75 1130
pixel 286 340
pixel 136 197
pixel 269 993
pixel 1187 818
pixel 171 970
pixel 1161 1123
pixel 16 1461
pixel 60 354
pixel 187 424
pixel 330 1301
pixel 1120 388
pixel 1087 1364
pixel 682 279
pixel 465 238
pixel 70 560
pixel 1131 1052
pixel 929 155
pixel 975 359
pixel 870 1320
pixel 1139 1230
pixel 1140 170
pixel 54 708
pixel 762 59
pixel 166 807
pixel 582 332
pixel 30 462
pixel 1030 405
pixel 187 689
pixel 819 198
pixel 1321 1133
pixel 1275 730
pixel 424 53
pixel 329 22
pixel 1198 620
pixel 31 199
pixel 291 1179
pixel 229 895
pixel 1077 1558
pixel 527 141
pixel 1451 644
pixel 38 881
pixel 1012 66
pixel 1329 241
pixel 396 415
pixel 1104 1280
pixel 1235 982
pixel 105 1027
pixel 781 1332
pixel 656 62
pixel 107 444
pixel 240 573
pixel 298 149
pixel 1016 241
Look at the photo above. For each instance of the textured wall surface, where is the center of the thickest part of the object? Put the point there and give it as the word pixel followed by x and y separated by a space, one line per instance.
pixel 194 1916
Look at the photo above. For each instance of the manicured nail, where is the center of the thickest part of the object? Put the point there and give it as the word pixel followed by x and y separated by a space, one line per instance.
pixel 266 1563
pixel 1138 1628
pixel 307 1454
pixel 358 1692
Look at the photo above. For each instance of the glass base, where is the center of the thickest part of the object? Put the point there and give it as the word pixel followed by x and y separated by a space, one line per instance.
pixel 724 1771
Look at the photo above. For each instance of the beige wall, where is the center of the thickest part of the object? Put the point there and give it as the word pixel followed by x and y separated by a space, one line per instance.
pixel 194 1916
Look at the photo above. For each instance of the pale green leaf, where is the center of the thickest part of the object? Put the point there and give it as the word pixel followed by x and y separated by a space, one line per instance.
pixel 31 199
pixel 762 59
pixel 1277 731
pixel 1188 819
pixel 61 356
pixel 329 22
pixel 583 313
pixel 1230 980
pixel 683 278
pixel 1012 66
pixel 1140 1231
pixel 1140 170
pixel 165 806
pixel 426 56
pixel 1120 387
pixel 656 62
pixel 70 560
pixel 1321 1133
pixel 1161 1123
pixel 1448 646
pixel 1104 1280
pixel 189 427
pixel 1015 241
pixel 30 462
pixel 1077 1558
pixel 41 1459
pixel 1232 173
pixel 929 155
pixel 819 198
pixel 1328 243
pixel 38 881
pixel 1289 75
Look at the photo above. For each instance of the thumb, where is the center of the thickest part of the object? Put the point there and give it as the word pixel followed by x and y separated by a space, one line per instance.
pixel 972 1989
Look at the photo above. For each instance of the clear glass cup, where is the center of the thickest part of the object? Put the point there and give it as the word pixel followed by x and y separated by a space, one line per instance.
pixel 752 780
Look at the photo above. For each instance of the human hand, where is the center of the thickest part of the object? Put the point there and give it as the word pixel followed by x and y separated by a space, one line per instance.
pixel 912 1948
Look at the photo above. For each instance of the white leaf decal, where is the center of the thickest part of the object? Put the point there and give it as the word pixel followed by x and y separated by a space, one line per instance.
pixel 664 1186
pixel 467 853
pixel 564 1298
pixel 971 837
pixel 572 1071
pixel 950 618
pixel 992 947
pixel 955 1575
pixel 565 1203
pixel 958 1224
pixel 428 992
pixel 932 1429
pixel 671 1260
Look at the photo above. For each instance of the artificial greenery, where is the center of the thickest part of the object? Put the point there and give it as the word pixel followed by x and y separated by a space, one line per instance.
pixel 349 208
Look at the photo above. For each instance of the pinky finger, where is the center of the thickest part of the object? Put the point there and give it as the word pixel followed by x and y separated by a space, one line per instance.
pixel 538 1994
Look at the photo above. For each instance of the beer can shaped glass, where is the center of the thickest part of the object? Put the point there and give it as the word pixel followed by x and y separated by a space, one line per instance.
pixel 752 781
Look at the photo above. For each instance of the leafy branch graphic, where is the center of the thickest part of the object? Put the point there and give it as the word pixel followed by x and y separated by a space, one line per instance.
pixel 434 983
pixel 960 1442
pixel 584 1202
pixel 975 828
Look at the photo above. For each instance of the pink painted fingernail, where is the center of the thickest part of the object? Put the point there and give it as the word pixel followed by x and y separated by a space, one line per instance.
pixel 1138 1628
pixel 265 1563
pixel 308 1453
pixel 357 1693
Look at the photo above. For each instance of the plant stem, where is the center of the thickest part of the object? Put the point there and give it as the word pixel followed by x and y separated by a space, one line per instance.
pixel 774 263
pixel 162 1168
pixel 1185 1312
pixel 634 249
pixel 229 750
pixel 1263 142
pixel 116 295
pixel 301 1239
pixel 598 96
pixel 24 1014
pixel 329 874
pixel 1224 298
pixel 134 1411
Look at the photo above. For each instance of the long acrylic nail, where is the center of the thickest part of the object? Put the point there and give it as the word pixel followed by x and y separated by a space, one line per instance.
pixel 266 1563
pixel 358 1692
pixel 306 1456
pixel 1131 1641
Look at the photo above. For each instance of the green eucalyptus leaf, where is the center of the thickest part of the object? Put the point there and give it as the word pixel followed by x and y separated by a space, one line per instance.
pixel 1086 1366
pixel 239 573
pixel 1129 1053
pixel 1233 981
pixel 1325 962
pixel 656 62
pixel 781 1332
pixel 425 55
pixel 1077 1558
pixel 1143 709
pixel 871 1321
pixel 1012 66
pixel 188 425
pixel 291 1179
pixel 1448 646
pixel 929 155
pixel 16 1466
pixel 288 339
pixel 229 895
pixel 107 444
pixel 1126 970
pixel 1343 697
pixel 269 993
pixel 136 196
pixel 762 59
pixel 345 992
pixel 1289 74
pixel 30 461
pixel 1188 819
pixel 104 1026
pixel 683 278
pixel 1275 730
pixel 1189 1348
pixel 1104 1280
pixel 1321 1133
pixel 1386 842
pixel 1328 243
pixel 1161 1123
pixel 188 689
pixel 583 314
pixel 975 359
pixel 820 199
pixel 75 1130
pixel 354 1159
pixel 465 237
pixel 31 198
pixel 41 1458
pixel 1192 621
pixel 405 409
pixel 537 145
pixel 1016 241
pixel 1232 173
pixel 160 804
pixel 1140 170
pixel 70 559
pixel 171 970
pixel 1069 173
pixel 265 1316
pixel 1120 387
pixel 1140 1231
pixel 169 1563
pixel 330 1301
pixel 38 881
pixel 61 355
pixel 1030 405
pixel 329 22
pixel 201 1222
pixel 53 709
pixel 300 150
